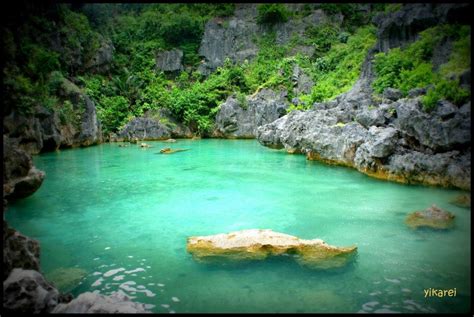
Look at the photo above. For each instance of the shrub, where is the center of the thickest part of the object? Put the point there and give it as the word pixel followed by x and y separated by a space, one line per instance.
pixel 272 13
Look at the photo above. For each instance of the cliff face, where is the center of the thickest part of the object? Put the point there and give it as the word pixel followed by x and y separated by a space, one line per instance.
pixel 236 37
pixel 392 138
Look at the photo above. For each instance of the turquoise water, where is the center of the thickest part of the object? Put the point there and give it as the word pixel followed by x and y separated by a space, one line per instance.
pixel 129 209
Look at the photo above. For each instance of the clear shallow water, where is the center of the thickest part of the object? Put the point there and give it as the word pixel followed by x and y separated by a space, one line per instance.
pixel 126 213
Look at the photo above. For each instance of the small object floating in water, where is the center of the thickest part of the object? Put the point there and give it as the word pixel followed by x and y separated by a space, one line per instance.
pixel 432 217
pixel 462 201
pixel 107 248
pixel 168 150
pixel 259 244
pixel 145 145
pixel 160 285
pixel 123 145
pixel 175 299
pixel 170 141
pixel 165 305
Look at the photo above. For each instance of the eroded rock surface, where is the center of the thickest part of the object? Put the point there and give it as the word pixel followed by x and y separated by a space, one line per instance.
pixel 161 126
pixel 20 177
pixel 88 303
pixel 237 120
pixel 259 244
pixel 26 291
pixel 432 217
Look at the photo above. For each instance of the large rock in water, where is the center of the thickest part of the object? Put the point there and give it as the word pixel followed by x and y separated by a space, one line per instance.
pixel 235 120
pixel 432 217
pixel 20 177
pixel 259 244
pixel 26 291
pixel 90 303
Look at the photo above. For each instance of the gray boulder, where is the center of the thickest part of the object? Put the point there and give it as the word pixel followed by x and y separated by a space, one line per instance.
pixel 170 61
pixel 19 251
pixel 20 177
pixel 26 291
pixel 102 59
pixel 154 126
pixel 234 120
pixel 445 128
pixel 90 303
pixel 371 117
pixel 392 94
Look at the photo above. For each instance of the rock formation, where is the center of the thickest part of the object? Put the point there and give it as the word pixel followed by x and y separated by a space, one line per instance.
pixel 26 291
pixel 19 251
pixel 20 177
pixel 170 61
pixel 235 120
pixel 161 126
pixel 92 303
pixel 259 244
pixel 233 37
pixel 432 217
pixel 392 138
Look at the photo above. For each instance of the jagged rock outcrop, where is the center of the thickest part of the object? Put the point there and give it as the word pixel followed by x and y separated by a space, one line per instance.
pixel 415 148
pixel 92 303
pixel 401 27
pixel 159 126
pixel 43 130
pixel 102 59
pixel 20 177
pixel 233 37
pixel 170 61
pixel 391 139
pixel 259 244
pixel 236 120
pixel 19 251
pixel 26 291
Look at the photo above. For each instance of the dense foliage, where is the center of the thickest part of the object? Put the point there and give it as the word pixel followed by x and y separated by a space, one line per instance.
pixel 271 13
pixel 55 46
pixel 412 67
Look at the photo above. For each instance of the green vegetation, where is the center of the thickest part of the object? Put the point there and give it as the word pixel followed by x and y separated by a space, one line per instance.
pixel 271 13
pixel 59 44
pixel 412 67
pixel 338 70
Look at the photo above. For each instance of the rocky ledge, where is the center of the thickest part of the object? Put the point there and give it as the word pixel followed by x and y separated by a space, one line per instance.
pixel 259 244
pixel 236 120
pixel 432 217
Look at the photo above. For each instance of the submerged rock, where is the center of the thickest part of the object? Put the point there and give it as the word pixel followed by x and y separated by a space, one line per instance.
pixel 432 217
pixel 94 303
pixel 462 201
pixel 259 244
pixel 66 279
